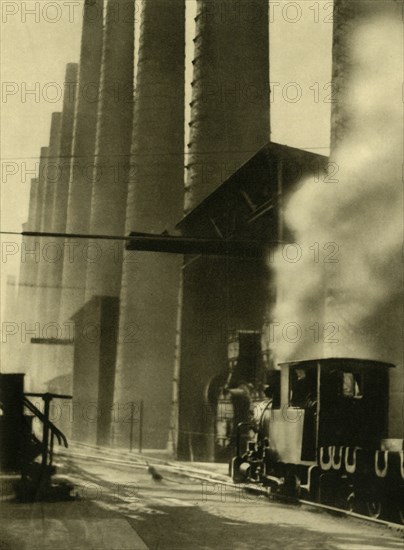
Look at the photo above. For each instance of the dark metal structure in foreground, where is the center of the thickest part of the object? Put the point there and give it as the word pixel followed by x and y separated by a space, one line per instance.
pixel 21 451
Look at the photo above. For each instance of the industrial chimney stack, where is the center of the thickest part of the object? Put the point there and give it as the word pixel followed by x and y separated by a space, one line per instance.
pixel 155 199
pixel 230 92
pixel 113 146
pixel 82 165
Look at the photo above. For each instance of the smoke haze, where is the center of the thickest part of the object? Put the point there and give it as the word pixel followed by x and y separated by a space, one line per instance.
pixel 346 292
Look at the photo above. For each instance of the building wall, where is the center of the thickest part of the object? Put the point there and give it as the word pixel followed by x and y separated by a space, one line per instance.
pixel 220 297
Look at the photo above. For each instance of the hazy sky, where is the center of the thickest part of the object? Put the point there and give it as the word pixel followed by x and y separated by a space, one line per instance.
pixel 36 47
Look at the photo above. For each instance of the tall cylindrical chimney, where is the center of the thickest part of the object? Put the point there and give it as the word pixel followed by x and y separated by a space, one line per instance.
pixel 65 150
pixel 82 166
pixel 155 197
pixel 45 220
pixel 230 92
pixel 113 146
pixel 58 199
pixel 27 268
pixel 33 301
pixel 41 188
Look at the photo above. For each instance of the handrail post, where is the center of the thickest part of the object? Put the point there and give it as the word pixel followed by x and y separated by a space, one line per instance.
pixel 45 438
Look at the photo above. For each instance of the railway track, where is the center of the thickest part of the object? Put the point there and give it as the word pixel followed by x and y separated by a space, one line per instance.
pixel 81 451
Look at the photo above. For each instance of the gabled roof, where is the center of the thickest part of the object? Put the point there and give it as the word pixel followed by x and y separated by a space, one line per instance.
pixel 260 161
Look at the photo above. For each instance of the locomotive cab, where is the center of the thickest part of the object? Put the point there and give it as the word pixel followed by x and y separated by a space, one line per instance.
pixel 325 438
pixel 329 402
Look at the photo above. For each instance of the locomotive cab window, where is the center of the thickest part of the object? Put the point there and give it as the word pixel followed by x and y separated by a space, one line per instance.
pixel 303 387
pixel 352 385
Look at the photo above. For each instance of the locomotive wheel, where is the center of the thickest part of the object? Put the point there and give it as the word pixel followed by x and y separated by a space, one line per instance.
pixel 349 503
pixel 292 484
pixel 373 507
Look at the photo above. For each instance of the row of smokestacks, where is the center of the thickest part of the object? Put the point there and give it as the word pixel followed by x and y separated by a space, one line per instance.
pixel 125 156
pixel 135 144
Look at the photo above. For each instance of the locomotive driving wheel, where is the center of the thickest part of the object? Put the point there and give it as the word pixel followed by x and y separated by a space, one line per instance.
pixel 349 502
pixel 373 506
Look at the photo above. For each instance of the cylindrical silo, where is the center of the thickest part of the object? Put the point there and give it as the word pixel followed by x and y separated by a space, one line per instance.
pixel 230 92
pixel 150 281
pixel 77 253
pixel 113 146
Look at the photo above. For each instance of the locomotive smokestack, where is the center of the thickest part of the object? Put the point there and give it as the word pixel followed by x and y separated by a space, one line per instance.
pixel 82 166
pixel 155 200
pixel 230 98
pixel 113 146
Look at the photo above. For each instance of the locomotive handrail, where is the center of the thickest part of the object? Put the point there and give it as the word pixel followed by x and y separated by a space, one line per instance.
pixel 55 431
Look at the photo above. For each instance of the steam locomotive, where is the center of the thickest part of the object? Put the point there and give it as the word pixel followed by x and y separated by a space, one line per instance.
pixel 319 434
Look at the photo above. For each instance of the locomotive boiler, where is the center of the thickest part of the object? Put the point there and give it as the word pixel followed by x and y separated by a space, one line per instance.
pixel 320 434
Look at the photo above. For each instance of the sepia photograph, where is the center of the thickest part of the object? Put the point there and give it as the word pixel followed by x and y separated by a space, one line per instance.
pixel 202 275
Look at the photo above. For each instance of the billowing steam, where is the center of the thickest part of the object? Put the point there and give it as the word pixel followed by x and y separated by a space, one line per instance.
pixel 344 297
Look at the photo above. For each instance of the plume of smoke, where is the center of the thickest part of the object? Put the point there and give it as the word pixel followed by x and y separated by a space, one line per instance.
pixel 346 292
